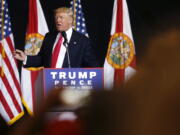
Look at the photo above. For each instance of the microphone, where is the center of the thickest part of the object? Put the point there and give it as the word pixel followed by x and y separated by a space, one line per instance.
pixel 63 33
pixel 65 43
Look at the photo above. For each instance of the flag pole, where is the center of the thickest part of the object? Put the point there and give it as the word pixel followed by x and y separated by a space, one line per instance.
pixel 74 14
pixel 2 34
pixel 2 14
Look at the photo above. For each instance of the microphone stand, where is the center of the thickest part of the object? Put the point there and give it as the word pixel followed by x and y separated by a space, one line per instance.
pixel 65 43
pixel 69 62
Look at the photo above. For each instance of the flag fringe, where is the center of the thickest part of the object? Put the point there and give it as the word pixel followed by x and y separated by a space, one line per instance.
pixel 16 118
pixel 27 107
pixel 34 68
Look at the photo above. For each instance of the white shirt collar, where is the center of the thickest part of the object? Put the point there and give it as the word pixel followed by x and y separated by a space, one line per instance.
pixel 69 34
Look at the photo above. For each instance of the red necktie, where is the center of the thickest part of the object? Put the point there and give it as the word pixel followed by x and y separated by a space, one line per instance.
pixel 56 52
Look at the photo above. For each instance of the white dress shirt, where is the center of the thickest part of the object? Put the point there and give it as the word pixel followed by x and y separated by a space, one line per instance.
pixel 62 52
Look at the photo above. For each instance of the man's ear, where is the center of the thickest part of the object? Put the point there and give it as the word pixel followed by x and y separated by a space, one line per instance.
pixel 71 21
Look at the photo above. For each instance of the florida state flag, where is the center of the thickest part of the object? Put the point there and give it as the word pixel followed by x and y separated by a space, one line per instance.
pixel 120 62
pixel 36 30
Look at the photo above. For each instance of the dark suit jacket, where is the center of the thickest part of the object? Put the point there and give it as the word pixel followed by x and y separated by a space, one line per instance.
pixel 80 51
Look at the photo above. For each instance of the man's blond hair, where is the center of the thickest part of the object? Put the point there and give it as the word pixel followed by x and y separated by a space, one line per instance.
pixel 64 10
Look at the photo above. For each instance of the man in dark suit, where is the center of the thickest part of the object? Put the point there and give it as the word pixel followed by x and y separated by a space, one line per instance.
pixel 75 50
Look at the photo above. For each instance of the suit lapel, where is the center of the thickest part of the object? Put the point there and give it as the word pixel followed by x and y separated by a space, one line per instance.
pixel 74 40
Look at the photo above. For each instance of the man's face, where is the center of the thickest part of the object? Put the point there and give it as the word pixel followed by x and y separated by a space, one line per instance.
pixel 63 21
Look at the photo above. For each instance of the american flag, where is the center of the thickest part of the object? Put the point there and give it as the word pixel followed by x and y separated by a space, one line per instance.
pixel 79 20
pixel 10 93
